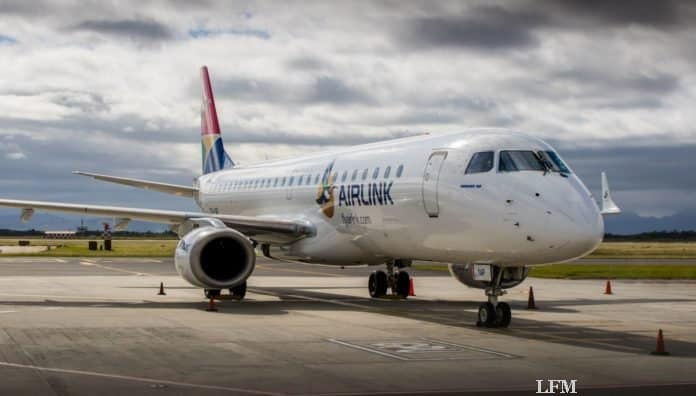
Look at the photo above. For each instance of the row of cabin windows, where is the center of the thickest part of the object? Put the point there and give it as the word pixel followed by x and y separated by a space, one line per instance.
pixel 305 179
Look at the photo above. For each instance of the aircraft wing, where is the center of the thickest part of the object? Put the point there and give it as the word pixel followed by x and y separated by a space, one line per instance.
pixel 261 229
pixel 175 189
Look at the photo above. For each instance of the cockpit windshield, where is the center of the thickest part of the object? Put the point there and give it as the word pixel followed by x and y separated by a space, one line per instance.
pixel 518 160
pixel 554 161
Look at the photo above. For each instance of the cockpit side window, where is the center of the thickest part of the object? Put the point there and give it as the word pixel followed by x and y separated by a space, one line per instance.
pixel 480 162
pixel 554 161
pixel 513 161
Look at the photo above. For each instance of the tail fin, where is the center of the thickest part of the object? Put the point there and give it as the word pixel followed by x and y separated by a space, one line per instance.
pixel 214 156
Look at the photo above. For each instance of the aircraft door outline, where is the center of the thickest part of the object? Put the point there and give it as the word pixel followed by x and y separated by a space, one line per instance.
pixel 431 178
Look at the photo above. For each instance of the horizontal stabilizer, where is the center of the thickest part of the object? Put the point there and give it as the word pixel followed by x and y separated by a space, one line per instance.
pixel 608 205
pixel 175 189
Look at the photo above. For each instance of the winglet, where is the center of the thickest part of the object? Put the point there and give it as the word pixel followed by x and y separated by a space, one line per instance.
pixel 608 205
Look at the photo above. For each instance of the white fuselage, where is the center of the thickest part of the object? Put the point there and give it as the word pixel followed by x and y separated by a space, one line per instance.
pixel 431 210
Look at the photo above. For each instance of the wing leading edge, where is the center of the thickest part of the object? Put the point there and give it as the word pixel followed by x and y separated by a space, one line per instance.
pixel 261 229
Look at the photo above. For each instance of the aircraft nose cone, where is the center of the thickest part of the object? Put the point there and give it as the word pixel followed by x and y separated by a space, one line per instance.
pixel 586 232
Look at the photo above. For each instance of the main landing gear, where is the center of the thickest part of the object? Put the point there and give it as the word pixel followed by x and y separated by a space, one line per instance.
pixel 398 281
pixel 494 313
pixel 238 292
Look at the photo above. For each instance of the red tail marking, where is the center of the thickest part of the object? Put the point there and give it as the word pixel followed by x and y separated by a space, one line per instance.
pixel 209 120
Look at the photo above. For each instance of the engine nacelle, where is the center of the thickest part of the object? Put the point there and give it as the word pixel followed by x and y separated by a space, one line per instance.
pixel 464 273
pixel 215 257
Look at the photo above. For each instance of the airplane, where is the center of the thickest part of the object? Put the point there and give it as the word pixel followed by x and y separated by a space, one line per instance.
pixel 492 202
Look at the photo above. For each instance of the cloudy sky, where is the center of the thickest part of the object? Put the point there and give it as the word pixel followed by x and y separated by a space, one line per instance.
pixel 112 86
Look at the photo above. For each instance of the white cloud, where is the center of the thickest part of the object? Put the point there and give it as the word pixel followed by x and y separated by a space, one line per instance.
pixel 122 86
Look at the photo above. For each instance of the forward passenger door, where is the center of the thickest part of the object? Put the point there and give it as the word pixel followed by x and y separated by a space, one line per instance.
pixel 431 177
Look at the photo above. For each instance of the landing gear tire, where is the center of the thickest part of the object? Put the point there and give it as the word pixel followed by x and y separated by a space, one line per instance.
pixel 377 284
pixel 211 293
pixel 403 283
pixel 239 291
pixel 486 315
pixel 503 315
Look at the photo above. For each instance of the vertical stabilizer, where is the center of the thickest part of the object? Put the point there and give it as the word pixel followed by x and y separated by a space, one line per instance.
pixel 214 156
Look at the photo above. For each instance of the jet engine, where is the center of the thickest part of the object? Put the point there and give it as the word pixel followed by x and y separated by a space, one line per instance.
pixel 215 257
pixel 464 273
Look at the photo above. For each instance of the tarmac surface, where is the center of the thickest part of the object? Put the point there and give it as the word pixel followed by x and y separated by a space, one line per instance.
pixel 74 326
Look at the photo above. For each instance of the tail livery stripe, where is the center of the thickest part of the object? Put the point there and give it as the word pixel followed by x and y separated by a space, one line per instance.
pixel 209 119
pixel 213 151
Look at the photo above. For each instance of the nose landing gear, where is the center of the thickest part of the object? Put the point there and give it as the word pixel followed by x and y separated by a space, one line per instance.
pixel 494 313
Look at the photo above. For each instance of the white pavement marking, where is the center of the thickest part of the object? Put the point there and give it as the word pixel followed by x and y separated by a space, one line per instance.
pixel 4 312
pixel 366 349
pixel 61 261
pixel 137 379
pixel 90 264
pixel 472 348
pixel 74 297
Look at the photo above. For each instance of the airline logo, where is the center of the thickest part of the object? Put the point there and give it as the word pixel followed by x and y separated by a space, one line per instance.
pixel 359 194
pixel 325 195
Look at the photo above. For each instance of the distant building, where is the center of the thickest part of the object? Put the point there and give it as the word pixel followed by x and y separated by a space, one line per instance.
pixel 60 234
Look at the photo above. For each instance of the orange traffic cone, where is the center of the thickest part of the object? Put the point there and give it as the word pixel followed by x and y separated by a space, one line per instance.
pixel 530 301
pixel 161 292
pixel 607 289
pixel 211 305
pixel 660 348
pixel 411 290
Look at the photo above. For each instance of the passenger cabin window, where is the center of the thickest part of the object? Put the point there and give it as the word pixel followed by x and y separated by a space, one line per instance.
pixel 387 170
pixel 480 162
pixel 513 161
pixel 344 176
pixel 399 170
pixel 375 173
pixel 299 181
pixel 364 175
pixel 291 181
pixel 355 175
pixel 283 182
